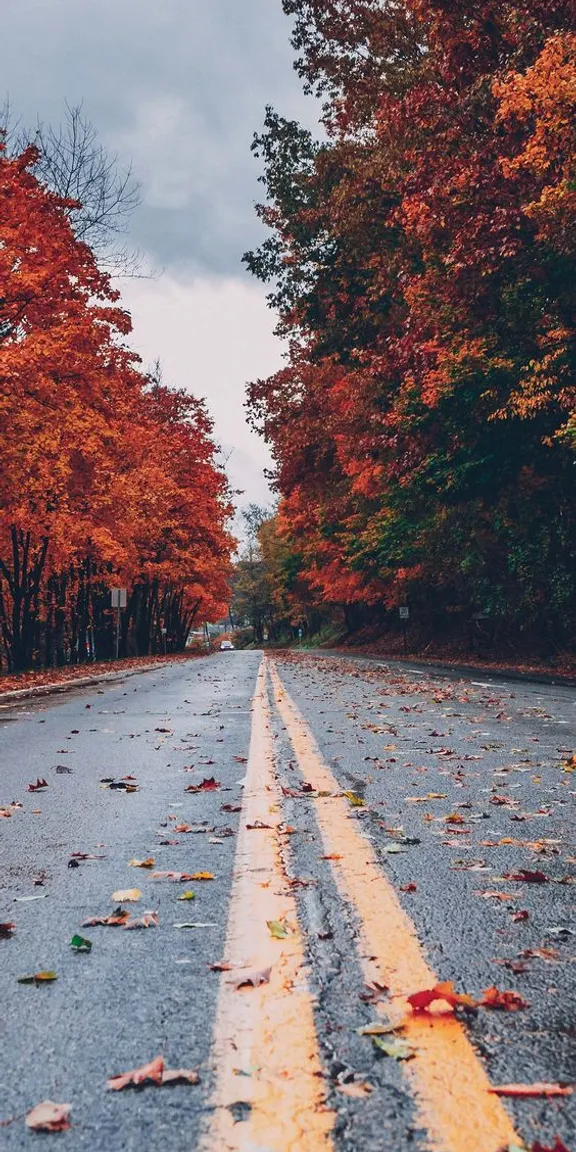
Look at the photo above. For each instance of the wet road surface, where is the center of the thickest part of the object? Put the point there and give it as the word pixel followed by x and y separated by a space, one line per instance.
pixel 369 830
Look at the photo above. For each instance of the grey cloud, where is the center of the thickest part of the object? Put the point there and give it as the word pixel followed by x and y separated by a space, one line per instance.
pixel 178 87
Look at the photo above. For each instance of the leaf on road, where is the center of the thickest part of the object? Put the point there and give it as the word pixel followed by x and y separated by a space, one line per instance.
pixel 49 1117
pixel 250 978
pixel 394 1047
pixel 118 917
pixel 202 876
pixel 257 825
pixel 424 799
pixel 527 877
pixel 209 784
pixel 411 887
pixel 27 899
pixel 127 896
pixel 374 993
pixel 521 915
pixel 148 863
pixel 175 876
pixel 180 1076
pixel 377 1028
pixel 278 930
pixel 529 1091
pixel 45 977
pixel 153 1072
pixel 355 800
pixel 81 944
pixel 507 1001
pixel 7 929
pixel 147 920
pixel 85 856
pixel 188 895
pixel 40 784
pixel 491 894
pixel 197 924
pixel 421 1001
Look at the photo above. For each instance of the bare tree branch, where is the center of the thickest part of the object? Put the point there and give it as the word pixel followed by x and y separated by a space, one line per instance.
pixel 75 165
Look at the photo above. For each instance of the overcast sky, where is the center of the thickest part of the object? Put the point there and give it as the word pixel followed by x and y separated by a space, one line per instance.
pixel 178 87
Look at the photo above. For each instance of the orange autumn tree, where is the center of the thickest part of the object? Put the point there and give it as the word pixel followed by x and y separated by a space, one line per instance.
pixel 84 488
pixel 422 257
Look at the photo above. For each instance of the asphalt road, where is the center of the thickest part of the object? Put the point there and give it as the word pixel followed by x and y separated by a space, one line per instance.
pixel 455 790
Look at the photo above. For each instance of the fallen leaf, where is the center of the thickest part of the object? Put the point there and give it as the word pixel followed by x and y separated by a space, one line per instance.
pixel 278 930
pixel 424 799
pixel 250 977
pixel 176 876
pixel 153 1071
pixel 527 877
pixel 209 784
pixel 421 1001
pixel 127 896
pixel 27 899
pixel 147 920
pixel 374 993
pixel 257 825
pixel 220 966
pixel 521 915
pixel 507 1001
pixel 202 876
pixel 356 801
pixel 549 954
pixel 197 924
pixel 408 887
pixel 118 917
pixel 7 929
pixel 180 1076
pixel 377 1028
pixel 49 1117
pixel 40 784
pixel 38 978
pixel 529 1091
pixel 494 895
pixel 188 895
pixel 148 863
pixel 394 1047
pixel 85 856
pixel 81 944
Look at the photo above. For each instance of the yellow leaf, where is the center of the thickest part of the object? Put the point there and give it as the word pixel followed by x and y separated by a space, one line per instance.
pixel 126 896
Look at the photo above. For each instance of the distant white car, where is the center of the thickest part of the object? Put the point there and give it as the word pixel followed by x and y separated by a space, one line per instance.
pixel 226 646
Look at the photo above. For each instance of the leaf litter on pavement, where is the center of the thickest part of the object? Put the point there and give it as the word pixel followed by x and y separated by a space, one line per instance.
pixel 155 1073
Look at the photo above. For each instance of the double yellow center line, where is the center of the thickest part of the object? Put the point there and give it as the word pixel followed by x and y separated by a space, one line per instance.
pixel 269 1093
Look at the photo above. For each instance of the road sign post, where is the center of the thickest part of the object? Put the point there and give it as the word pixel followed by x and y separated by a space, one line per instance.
pixel 118 599
pixel 404 613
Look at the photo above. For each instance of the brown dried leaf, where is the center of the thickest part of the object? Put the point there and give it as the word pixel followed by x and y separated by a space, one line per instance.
pixel 49 1117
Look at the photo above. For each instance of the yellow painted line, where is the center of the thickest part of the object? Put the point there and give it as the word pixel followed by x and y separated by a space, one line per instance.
pixel 267 1032
pixel 446 1077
